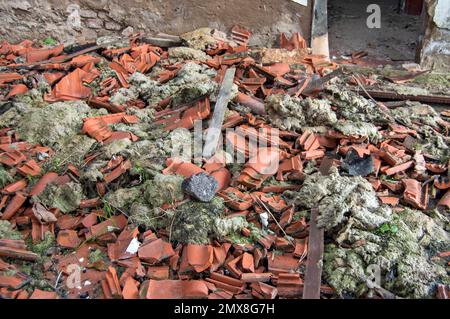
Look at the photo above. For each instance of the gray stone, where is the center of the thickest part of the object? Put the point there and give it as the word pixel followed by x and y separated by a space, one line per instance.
pixel 94 23
pixel 200 186
pixel 112 26
pixel 88 14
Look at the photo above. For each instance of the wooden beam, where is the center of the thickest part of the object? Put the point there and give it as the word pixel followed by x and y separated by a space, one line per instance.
pixel 215 127
pixel 319 29
pixel 313 276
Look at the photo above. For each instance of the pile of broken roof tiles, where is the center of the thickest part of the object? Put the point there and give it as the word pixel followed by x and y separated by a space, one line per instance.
pixel 150 265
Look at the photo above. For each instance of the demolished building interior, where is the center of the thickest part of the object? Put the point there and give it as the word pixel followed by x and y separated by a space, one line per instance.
pixel 101 174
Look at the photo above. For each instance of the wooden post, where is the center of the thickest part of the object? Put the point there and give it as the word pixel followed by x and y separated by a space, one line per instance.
pixel 319 29
pixel 215 127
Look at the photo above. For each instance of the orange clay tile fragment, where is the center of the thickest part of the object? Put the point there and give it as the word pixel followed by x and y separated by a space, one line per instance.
pixel 53 77
pixel 442 183
pixel 110 285
pixel 156 251
pixel 29 168
pixel 14 205
pixel 17 90
pixel 262 290
pixel 289 165
pixel 118 171
pixel 240 35
pixel 16 249
pixel 236 199
pixel 223 177
pixel 311 155
pixel 436 168
pixel 289 285
pixel 445 200
pixel 11 282
pixel 70 87
pixel 177 289
pixel 227 283
pixel 255 104
pixel 68 239
pixel 390 200
pixel 37 55
pixel 130 289
pixel 40 186
pixel 260 167
pixel 14 187
pixel 114 223
pixel 295 42
pixel 399 168
pixel 248 263
pixel 97 128
pixel 12 158
pixel 256 277
pixel 282 263
pixel 9 77
pixel 200 257
pixel 186 169
pixel 414 195
pixel 220 255
pixel 199 111
pixel 158 272
pixel 42 294
pixel 309 141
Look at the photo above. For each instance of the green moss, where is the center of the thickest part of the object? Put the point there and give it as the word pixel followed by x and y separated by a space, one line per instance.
pixel 66 197
pixel 123 197
pixel 5 177
pixel 403 256
pixel 96 256
pixel 41 248
pixel 7 231
pixel 163 189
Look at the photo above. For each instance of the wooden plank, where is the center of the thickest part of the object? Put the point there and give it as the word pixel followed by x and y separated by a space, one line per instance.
pixel 215 127
pixel 390 95
pixel 319 29
pixel 313 274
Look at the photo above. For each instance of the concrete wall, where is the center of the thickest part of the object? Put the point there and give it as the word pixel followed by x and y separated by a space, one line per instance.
pixel 435 48
pixel 84 20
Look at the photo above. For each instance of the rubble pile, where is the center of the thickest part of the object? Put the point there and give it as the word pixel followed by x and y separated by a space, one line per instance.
pixel 92 187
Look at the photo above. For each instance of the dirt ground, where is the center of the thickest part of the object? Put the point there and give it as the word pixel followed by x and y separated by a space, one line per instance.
pixel 348 32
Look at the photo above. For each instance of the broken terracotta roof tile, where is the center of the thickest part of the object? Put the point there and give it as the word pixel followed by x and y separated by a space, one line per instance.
pixel 70 87
pixel 12 158
pixel 36 55
pixel 295 42
pixel 158 272
pixel 186 169
pixel 130 289
pixel 68 239
pixel 200 257
pixel 14 205
pixel 177 289
pixel 390 200
pixel 29 168
pixel 227 283
pixel 118 171
pixel 236 199
pixel 262 290
pixel 15 187
pixel 398 168
pixel 282 263
pixel 110 285
pixel 155 251
pixel 445 200
pixel 17 89
pixel 414 194
pixel 42 294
